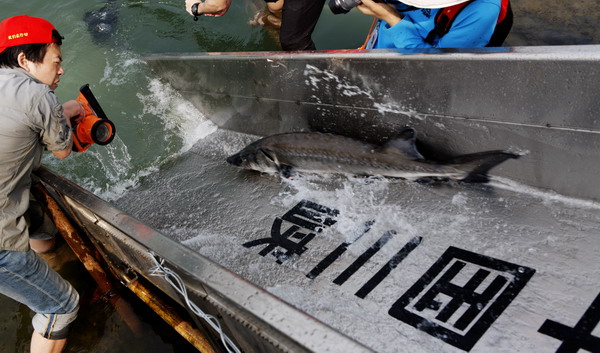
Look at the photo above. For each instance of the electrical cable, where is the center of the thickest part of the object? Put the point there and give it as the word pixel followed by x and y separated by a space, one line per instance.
pixel 160 270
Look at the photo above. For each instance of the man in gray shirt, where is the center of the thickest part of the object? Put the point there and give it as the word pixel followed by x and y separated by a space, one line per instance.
pixel 31 119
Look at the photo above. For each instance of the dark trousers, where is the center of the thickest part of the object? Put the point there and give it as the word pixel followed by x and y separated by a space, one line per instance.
pixel 298 21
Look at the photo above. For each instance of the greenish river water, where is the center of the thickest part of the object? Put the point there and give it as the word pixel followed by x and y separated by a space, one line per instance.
pixel 155 125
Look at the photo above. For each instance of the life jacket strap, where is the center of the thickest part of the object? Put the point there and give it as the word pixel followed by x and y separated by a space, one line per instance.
pixel 444 20
pixel 446 16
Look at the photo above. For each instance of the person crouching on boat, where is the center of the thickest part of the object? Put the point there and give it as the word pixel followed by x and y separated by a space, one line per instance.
pixel 438 23
pixel 32 120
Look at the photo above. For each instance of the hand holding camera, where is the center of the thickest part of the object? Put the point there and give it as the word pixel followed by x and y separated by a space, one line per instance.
pixel 381 9
pixel 72 109
pixel 384 11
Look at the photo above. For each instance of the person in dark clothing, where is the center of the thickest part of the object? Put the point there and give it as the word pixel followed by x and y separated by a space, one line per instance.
pixel 299 19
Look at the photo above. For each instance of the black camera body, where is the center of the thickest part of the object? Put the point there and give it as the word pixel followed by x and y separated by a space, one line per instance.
pixel 342 6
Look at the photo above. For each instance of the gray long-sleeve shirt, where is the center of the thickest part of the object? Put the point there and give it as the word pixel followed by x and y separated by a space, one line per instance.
pixel 30 119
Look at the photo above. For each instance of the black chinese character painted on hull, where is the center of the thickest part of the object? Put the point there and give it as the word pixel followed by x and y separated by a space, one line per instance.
pixel 308 216
pixel 461 296
pixel 578 337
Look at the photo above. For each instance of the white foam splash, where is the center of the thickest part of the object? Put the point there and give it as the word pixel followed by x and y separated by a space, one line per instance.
pixel 343 86
pixel 316 75
pixel 177 113
pixel 120 74
pixel 547 196
pixel 360 199
pixel 109 171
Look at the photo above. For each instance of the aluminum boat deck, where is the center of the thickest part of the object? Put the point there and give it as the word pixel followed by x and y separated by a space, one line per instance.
pixel 344 264
pixel 394 265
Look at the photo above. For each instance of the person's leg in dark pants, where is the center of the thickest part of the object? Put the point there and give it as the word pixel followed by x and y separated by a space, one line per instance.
pixel 298 22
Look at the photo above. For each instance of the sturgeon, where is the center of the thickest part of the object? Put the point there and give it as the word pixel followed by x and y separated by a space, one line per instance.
pixel 314 152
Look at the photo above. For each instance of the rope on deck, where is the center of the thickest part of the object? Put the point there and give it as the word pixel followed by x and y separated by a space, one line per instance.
pixel 160 270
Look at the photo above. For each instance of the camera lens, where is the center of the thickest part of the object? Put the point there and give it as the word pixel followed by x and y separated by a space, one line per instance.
pixel 342 6
pixel 102 133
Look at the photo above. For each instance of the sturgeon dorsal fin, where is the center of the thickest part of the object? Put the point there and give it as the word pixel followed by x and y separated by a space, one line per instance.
pixel 404 143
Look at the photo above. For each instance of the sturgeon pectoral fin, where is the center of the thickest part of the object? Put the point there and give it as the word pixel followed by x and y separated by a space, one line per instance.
pixel 404 144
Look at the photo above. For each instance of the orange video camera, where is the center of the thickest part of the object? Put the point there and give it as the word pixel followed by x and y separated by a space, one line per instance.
pixel 94 126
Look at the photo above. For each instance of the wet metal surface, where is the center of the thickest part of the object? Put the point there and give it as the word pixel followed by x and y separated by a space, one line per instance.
pixel 387 262
pixel 538 100
pixel 256 320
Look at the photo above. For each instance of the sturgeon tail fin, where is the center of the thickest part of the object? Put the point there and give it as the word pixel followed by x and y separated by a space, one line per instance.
pixel 479 164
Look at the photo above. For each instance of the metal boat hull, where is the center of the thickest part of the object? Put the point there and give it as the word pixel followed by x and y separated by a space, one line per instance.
pixel 540 100
pixel 344 264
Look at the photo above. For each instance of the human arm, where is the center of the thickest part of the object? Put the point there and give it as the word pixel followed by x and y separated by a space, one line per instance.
pixel 213 8
pixel 52 121
pixel 473 28
pixel 381 11
pixel 71 109
pixel 62 154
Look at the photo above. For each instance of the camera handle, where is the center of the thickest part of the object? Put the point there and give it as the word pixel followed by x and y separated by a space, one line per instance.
pixel 87 93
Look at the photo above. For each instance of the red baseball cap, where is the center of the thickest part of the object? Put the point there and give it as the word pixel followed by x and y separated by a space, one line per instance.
pixel 19 30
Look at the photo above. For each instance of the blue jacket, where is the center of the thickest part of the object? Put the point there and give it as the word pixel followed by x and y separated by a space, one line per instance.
pixel 473 27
